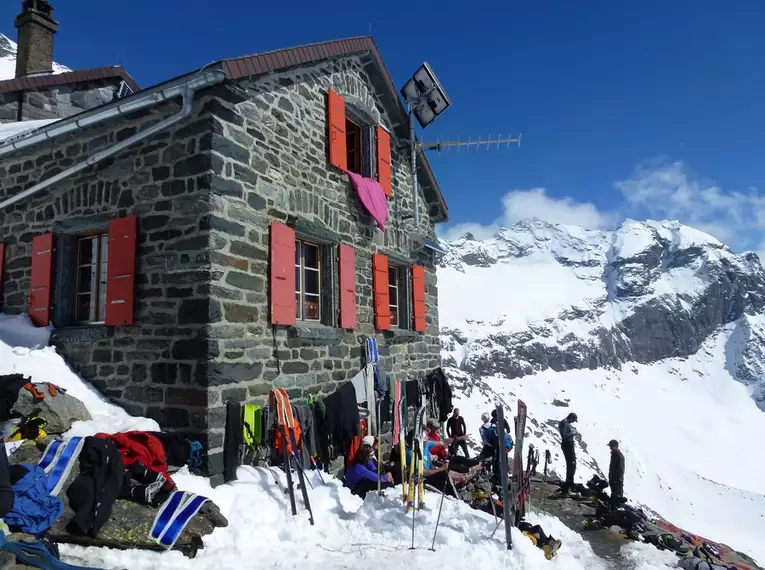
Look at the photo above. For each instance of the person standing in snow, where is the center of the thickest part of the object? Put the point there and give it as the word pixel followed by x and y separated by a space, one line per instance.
pixel 6 491
pixel 616 473
pixel 567 433
pixel 455 428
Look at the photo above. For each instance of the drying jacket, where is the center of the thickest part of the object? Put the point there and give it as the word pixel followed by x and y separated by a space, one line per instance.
pixel 94 491
pixel 140 446
pixel 356 472
pixel 6 490
pixel 455 427
pixel 616 469
pixel 34 509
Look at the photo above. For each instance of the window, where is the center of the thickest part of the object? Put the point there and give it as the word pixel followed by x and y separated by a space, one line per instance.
pixel 354 145
pixel 308 280
pixel 393 296
pixel 90 291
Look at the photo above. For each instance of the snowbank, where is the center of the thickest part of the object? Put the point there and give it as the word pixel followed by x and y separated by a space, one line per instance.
pixel 348 533
pixel 24 350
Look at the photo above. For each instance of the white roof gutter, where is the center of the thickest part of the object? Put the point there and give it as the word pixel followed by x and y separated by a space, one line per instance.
pixel 186 90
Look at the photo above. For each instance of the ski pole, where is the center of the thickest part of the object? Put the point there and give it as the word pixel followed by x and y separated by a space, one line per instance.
pixel 414 471
pixel 438 518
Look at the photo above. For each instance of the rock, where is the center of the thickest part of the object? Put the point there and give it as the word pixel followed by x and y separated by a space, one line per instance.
pixel 129 524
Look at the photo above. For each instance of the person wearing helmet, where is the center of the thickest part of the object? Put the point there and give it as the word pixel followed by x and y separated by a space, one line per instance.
pixel 616 474
pixel 567 434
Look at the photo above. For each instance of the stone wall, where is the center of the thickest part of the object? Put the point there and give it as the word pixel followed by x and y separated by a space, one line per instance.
pixel 205 193
pixel 270 164
pixel 156 366
pixel 57 102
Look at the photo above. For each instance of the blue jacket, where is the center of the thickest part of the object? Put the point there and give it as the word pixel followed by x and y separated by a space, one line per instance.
pixel 491 435
pixel 356 472
pixel 34 509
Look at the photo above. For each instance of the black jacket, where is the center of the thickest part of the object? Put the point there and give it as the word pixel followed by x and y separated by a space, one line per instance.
pixel 94 491
pixel 616 469
pixel 6 491
pixel 455 428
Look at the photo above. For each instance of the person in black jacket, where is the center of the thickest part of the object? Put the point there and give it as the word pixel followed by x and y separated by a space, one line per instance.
pixel 6 491
pixel 567 435
pixel 616 473
pixel 456 430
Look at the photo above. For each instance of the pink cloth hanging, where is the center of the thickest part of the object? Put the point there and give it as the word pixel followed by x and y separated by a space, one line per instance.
pixel 372 196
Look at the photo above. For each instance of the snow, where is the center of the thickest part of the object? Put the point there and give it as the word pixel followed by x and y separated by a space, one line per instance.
pixel 24 350
pixel 9 49
pixel 348 533
pixel 9 130
pixel 693 439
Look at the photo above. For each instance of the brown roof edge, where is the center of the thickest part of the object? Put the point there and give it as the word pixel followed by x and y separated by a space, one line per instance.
pixel 34 82
pixel 281 59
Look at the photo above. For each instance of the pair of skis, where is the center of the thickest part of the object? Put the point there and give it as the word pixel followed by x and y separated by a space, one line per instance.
pixel 513 496
pixel 283 421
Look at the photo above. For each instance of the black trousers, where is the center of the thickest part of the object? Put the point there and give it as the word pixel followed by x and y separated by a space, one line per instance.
pixel 617 492
pixel 570 454
pixel 6 491
pixel 459 444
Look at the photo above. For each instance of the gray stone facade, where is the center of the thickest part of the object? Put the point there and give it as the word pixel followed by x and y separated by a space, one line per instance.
pixel 57 102
pixel 205 193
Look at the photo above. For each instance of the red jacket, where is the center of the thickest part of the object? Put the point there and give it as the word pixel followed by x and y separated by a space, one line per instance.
pixel 140 446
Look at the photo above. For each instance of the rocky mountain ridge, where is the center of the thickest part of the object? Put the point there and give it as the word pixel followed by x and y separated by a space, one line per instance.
pixel 562 297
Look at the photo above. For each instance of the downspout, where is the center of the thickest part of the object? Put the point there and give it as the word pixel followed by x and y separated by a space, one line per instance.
pixel 187 93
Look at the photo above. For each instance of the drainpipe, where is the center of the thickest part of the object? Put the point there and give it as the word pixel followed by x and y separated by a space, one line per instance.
pixel 187 90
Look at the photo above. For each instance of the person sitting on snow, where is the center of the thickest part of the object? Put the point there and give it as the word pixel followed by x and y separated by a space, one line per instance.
pixel 361 473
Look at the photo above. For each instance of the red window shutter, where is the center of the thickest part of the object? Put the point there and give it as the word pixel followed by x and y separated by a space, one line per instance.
pixel 42 273
pixel 347 261
pixel 283 304
pixel 338 155
pixel 380 286
pixel 418 297
pixel 383 161
pixel 120 271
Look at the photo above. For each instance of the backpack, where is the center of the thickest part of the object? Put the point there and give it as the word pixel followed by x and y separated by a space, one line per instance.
pixel 279 401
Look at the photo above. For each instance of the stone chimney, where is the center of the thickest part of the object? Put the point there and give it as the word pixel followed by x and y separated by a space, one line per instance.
pixel 36 28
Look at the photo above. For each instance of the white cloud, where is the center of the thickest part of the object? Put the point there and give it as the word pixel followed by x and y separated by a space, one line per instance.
pixel 536 204
pixel 657 190
pixel 671 190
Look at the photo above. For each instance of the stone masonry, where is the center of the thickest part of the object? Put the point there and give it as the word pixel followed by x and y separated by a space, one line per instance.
pixel 57 102
pixel 252 153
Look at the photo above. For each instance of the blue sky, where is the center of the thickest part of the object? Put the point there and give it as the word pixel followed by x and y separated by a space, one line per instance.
pixel 650 108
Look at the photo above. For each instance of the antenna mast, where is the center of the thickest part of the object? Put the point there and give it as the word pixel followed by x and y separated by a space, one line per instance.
pixel 451 144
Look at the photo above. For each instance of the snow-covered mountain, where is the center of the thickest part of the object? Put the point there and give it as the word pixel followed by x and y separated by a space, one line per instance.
pixel 651 333
pixel 565 298
pixel 8 51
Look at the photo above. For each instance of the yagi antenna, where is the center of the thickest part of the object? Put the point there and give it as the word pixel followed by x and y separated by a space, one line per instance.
pixel 441 145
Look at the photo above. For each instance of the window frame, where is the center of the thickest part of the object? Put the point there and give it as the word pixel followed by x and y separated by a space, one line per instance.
pixel 394 309
pixel 101 241
pixel 366 125
pixel 353 126
pixel 403 289
pixel 300 242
